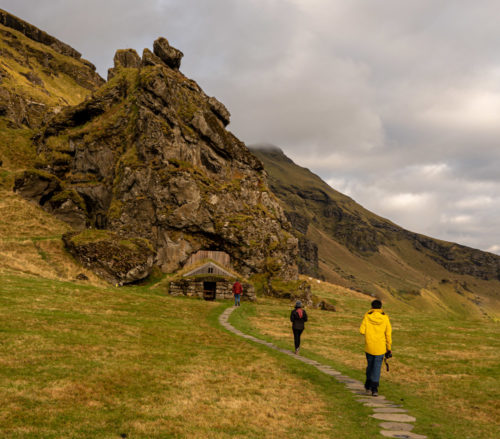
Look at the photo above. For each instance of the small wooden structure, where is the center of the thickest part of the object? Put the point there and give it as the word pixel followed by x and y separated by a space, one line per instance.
pixel 211 280
pixel 209 268
pixel 220 258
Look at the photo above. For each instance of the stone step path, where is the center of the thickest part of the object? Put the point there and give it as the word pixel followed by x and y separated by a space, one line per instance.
pixel 397 423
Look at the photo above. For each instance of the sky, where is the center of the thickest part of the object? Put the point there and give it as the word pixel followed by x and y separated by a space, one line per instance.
pixel 394 103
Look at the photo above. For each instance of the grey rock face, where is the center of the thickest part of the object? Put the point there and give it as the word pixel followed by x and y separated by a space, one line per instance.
pixel 220 110
pixel 127 58
pixel 148 156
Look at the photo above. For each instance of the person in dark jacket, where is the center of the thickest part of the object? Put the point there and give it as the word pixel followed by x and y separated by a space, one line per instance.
pixel 298 317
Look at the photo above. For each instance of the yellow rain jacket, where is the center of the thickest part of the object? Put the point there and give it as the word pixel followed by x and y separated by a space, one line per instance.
pixel 377 330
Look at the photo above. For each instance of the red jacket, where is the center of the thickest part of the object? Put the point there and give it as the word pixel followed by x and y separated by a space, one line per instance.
pixel 237 288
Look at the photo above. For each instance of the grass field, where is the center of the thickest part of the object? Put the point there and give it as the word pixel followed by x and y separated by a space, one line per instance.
pixel 445 370
pixel 81 361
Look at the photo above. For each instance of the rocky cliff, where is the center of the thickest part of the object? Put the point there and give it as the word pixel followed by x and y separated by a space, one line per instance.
pixel 148 157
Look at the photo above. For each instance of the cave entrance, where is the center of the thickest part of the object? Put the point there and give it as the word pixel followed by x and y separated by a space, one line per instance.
pixel 209 290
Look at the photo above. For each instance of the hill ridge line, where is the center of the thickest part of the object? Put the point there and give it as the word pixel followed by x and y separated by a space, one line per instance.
pixel 396 420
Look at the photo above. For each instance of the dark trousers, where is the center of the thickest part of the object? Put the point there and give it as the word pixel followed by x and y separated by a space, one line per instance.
pixel 373 368
pixel 296 337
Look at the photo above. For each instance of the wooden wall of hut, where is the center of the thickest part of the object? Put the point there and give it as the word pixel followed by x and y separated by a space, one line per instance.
pixel 222 258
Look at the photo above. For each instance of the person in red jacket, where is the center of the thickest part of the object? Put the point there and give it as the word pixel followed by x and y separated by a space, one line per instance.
pixel 237 291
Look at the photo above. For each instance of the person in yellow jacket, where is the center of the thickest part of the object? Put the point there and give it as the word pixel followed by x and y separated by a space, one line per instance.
pixel 377 330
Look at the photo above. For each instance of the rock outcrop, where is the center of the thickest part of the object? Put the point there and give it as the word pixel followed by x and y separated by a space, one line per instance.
pixel 148 156
pixel 168 54
pixel 115 259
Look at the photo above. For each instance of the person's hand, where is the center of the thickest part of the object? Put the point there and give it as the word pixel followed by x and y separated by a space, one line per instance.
pixel 388 354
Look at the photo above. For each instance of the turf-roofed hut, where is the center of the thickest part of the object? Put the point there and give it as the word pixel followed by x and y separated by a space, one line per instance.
pixel 209 275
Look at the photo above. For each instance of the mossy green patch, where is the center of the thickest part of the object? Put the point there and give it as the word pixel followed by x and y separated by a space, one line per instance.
pixel 16 148
pixel 91 235
pixel 70 194
pixel 115 209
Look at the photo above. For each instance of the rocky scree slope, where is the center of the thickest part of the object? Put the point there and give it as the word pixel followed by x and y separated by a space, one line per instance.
pixel 146 165
pixel 345 243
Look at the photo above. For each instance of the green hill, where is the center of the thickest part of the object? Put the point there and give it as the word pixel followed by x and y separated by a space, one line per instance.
pixel 363 251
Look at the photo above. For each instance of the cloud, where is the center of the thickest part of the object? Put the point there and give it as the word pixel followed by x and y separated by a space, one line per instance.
pixel 395 103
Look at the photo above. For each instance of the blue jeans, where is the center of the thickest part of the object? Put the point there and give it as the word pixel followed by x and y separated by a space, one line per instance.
pixel 374 365
pixel 237 299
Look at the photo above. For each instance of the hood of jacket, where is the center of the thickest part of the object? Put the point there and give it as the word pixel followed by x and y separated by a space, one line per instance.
pixel 376 316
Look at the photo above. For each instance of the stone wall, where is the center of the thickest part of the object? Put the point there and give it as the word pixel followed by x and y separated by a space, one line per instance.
pixel 224 290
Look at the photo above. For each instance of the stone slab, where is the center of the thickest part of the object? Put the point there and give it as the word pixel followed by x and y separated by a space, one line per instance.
pixel 380 404
pixel 389 410
pixel 402 434
pixel 396 426
pixel 394 417
pixel 377 399
pixel 363 393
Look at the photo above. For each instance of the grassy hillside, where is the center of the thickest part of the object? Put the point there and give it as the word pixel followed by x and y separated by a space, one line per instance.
pixel 36 81
pixel 80 361
pixel 363 251
pixel 445 368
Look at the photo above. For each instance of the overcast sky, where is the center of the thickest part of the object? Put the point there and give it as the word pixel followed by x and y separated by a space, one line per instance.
pixel 394 103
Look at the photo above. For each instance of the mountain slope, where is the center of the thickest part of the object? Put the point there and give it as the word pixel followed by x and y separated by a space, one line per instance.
pixel 359 249
pixel 38 76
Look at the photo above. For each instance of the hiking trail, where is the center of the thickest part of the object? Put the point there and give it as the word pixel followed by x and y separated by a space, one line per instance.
pixel 397 423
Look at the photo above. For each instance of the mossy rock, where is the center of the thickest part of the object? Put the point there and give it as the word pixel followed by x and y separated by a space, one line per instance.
pixel 69 194
pixel 116 259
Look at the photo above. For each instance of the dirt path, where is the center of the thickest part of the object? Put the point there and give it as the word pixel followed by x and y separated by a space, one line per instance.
pixel 397 423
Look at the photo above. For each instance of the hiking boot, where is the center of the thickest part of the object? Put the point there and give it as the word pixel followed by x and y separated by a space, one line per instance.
pixel 374 393
pixel 297 351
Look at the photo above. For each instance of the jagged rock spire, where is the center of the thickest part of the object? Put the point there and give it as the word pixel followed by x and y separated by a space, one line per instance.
pixel 168 54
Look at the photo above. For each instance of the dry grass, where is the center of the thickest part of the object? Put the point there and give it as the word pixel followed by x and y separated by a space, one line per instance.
pixel 78 361
pixel 446 368
pixel 30 241
pixel 23 219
